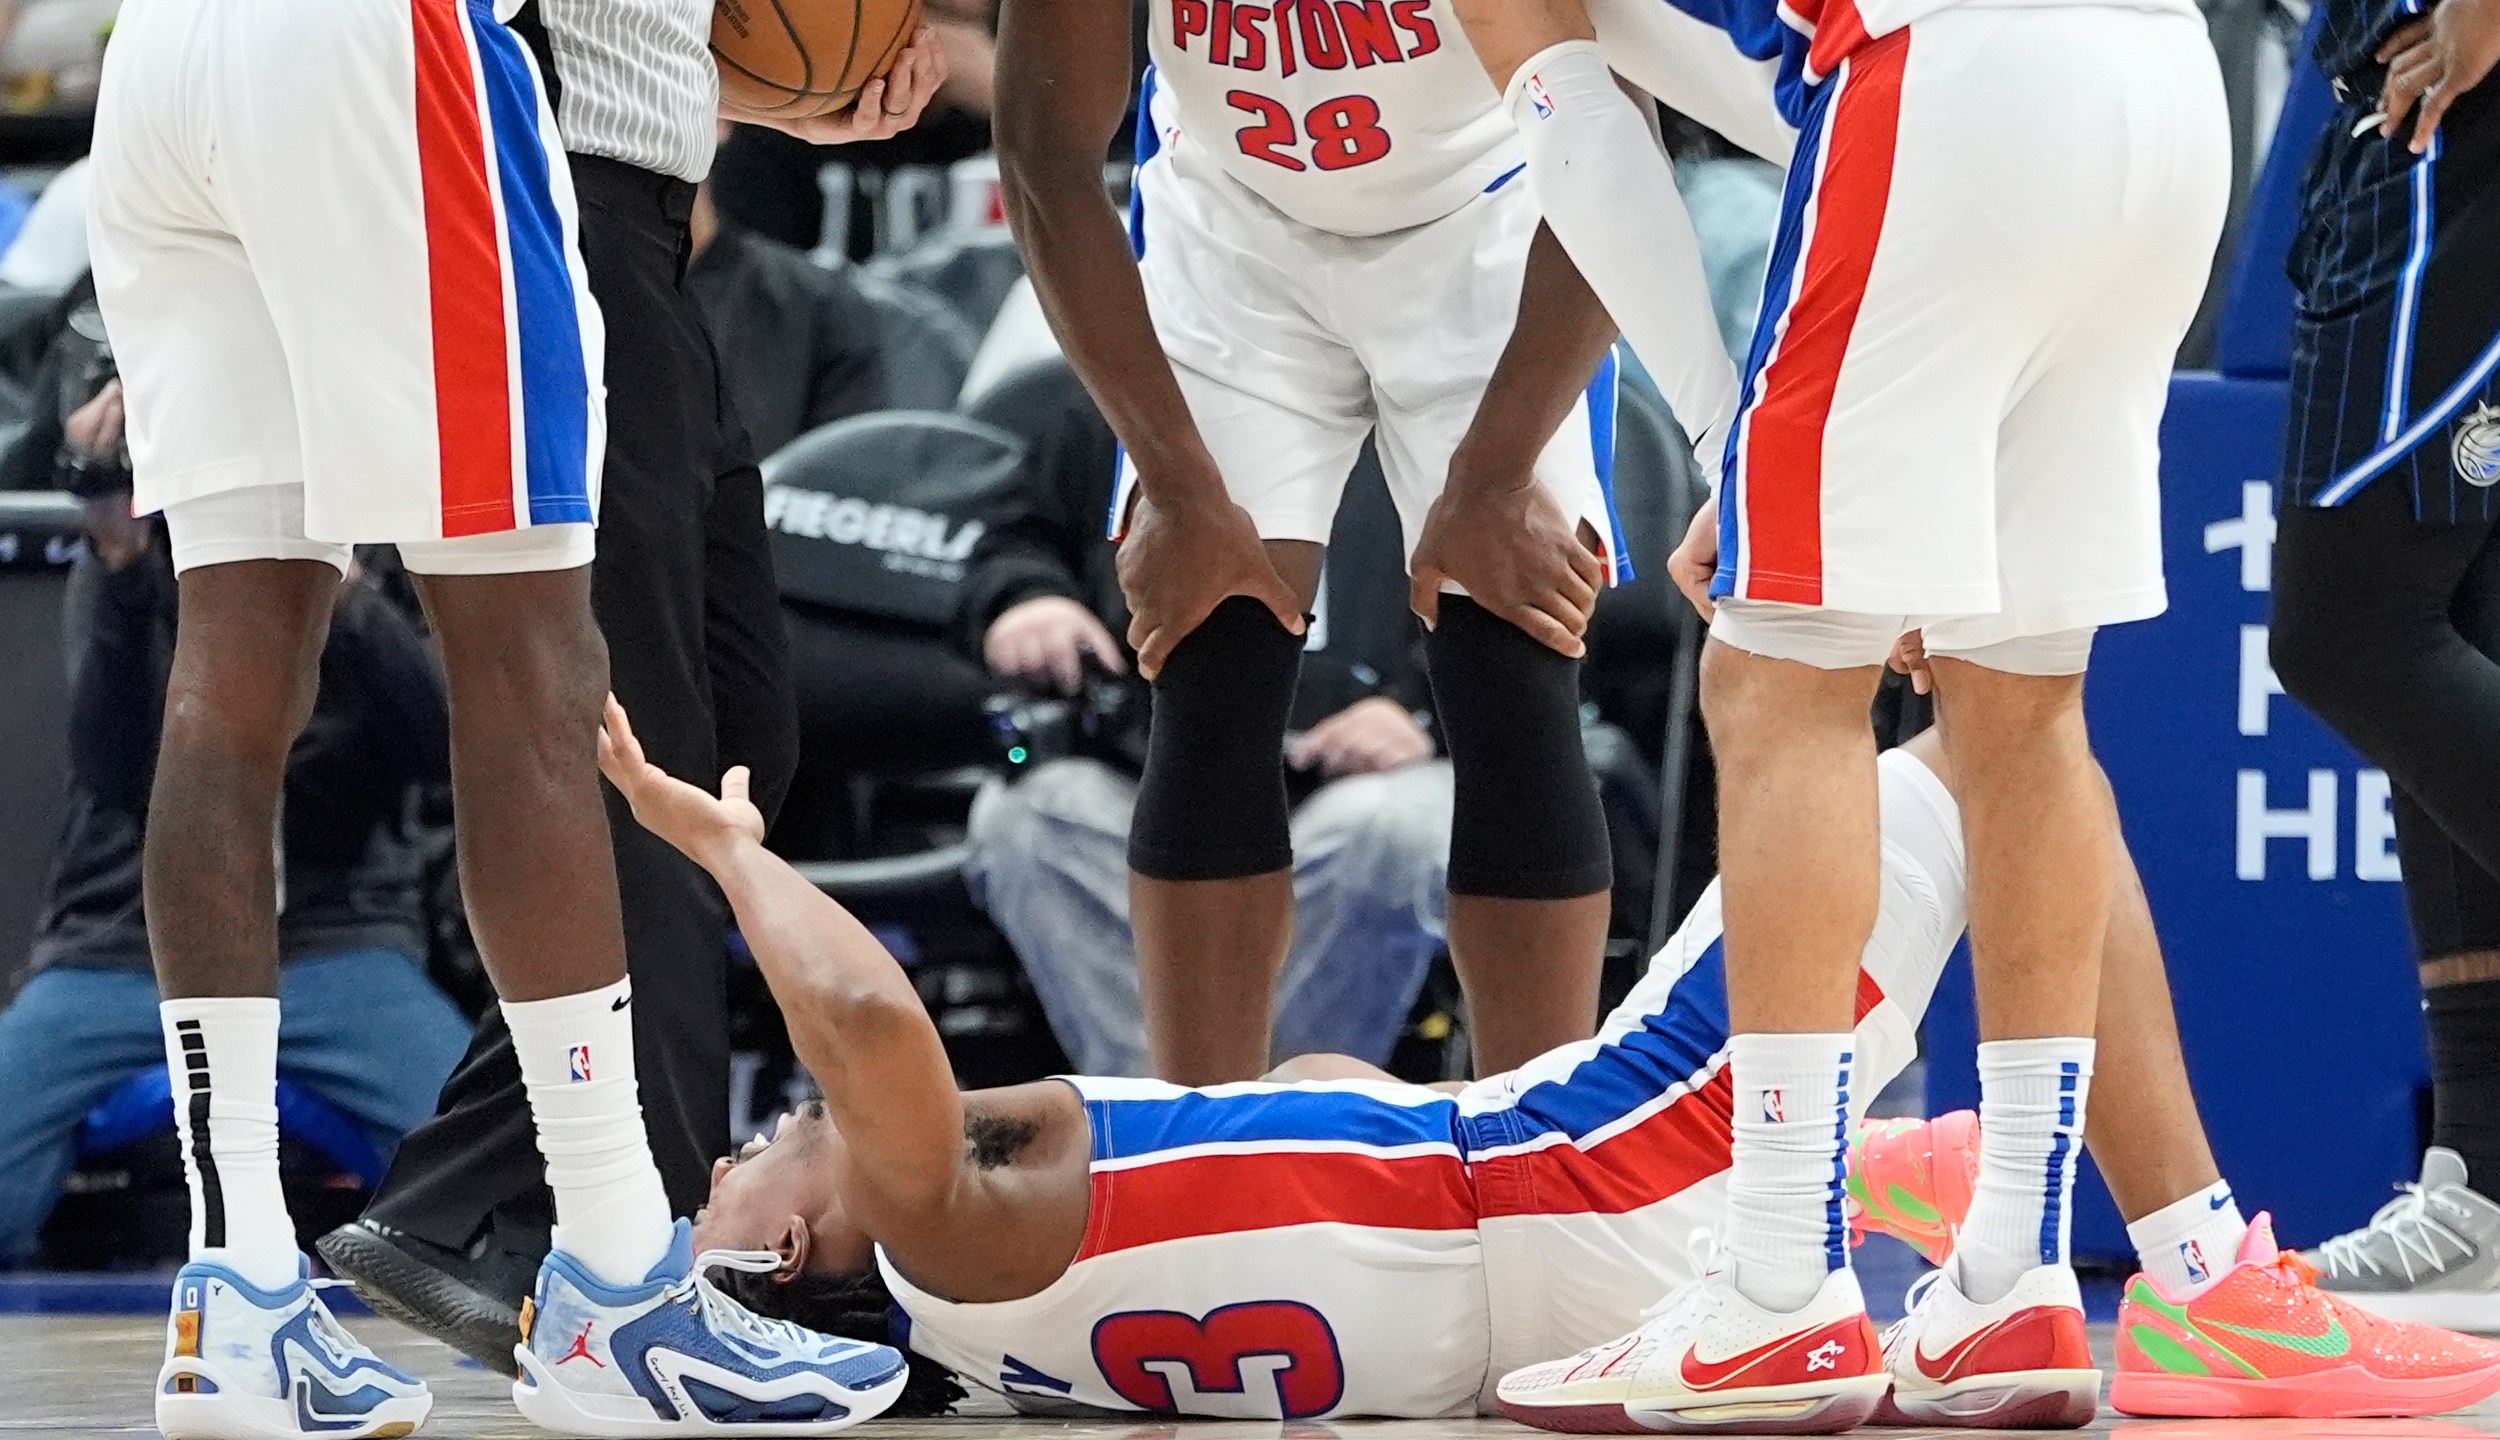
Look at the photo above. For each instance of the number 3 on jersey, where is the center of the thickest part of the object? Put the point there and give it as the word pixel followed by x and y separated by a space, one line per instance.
pixel 1142 1352
pixel 1344 132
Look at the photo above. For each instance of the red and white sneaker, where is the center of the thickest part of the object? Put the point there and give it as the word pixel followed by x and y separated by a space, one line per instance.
pixel 1712 1361
pixel 2021 1363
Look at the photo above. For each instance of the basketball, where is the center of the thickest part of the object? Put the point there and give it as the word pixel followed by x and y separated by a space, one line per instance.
pixel 798 58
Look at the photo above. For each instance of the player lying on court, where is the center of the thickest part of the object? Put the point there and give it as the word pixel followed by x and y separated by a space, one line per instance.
pixel 1332 1242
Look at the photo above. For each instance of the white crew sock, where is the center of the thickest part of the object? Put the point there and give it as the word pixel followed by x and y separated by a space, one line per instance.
pixel 224 1057
pixel 1784 1226
pixel 2188 1245
pixel 2031 1099
pixel 577 1058
pixel 1605 187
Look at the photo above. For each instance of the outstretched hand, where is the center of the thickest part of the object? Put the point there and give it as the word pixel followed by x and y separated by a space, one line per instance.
pixel 708 828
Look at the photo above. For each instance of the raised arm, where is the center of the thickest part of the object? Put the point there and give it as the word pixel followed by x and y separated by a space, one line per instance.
pixel 855 1021
pixel 1063 80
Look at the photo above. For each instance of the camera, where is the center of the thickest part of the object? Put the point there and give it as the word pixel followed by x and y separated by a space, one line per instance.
pixel 87 367
pixel 1105 720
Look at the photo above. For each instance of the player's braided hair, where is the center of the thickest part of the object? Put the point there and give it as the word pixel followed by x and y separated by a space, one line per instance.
pixel 855 1306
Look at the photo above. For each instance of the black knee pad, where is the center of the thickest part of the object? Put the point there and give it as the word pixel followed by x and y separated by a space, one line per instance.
pixel 1212 803
pixel 1527 825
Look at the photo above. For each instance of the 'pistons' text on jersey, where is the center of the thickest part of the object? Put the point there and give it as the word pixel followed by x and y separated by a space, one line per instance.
pixel 1352 116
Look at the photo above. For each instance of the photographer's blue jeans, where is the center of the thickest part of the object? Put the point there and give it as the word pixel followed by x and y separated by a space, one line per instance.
pixel 364 1029
pixel 1371 863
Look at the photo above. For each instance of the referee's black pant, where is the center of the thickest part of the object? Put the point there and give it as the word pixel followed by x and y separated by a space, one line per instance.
pixel 684 590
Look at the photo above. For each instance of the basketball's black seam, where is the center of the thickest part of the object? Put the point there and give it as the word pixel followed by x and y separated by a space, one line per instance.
pixel 808 90
pixel 851 56
pixel 768 83
pixel 807 58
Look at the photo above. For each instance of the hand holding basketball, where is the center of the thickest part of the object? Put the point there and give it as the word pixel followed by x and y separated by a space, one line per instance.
pixel 828 71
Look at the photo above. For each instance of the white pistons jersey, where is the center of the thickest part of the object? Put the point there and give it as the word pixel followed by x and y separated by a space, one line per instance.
pixel 1254 1251
pixel 1350 1248
pixel 1357 117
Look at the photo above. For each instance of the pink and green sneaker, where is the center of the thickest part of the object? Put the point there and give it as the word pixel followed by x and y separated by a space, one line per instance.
pixel 2265 1342
pixel 1912 1180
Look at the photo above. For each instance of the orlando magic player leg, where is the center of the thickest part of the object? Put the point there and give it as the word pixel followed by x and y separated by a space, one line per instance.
pixel 335 242
pixel 2387 576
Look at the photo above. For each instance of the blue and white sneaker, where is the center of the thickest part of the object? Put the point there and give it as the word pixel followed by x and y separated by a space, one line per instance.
pixel 675 1356
pixel 243 1363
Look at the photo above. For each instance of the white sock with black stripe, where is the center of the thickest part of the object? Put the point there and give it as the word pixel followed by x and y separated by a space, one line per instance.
pixel 1784 1228
pixel 224 1057
pixel 2031 1104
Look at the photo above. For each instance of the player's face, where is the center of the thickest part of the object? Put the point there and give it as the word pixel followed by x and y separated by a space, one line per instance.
pixel 777 1193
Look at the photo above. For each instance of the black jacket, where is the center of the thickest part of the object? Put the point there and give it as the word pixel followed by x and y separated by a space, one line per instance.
pixel 1047 537
pixel 351 876
pixel 798 344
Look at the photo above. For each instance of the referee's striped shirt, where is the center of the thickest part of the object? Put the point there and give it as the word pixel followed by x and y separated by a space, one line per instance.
pixel 635 81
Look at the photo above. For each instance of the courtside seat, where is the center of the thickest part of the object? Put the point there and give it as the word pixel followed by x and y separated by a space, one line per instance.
pixel 924 342
pixel 971 271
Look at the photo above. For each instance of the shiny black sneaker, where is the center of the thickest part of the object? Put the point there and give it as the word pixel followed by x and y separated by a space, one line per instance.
pixel 468 1299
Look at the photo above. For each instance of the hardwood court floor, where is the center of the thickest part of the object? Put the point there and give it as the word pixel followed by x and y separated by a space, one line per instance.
pixel 83 1375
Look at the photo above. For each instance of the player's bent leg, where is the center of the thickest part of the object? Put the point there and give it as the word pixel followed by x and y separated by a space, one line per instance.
pixel 1211 849
pixel 1530 868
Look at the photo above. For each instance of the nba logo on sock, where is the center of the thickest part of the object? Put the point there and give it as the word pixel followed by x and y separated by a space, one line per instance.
pixel 1775 1107
pixel 2194 1254
pixel 1539 101
pixel 579 1059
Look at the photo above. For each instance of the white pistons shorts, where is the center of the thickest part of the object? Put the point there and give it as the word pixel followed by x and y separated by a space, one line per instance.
pixel 1293 344
pixel 1998 227
pixel 336 249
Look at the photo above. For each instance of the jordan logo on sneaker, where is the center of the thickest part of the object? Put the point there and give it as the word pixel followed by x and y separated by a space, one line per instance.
pixel 581 1347
pixel 1825 1356
pixel 577 1059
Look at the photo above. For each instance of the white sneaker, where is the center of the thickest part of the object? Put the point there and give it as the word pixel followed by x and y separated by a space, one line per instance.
pixel 1713 1361
pixel 674 1356
pixel 243 1363
pixel 2021 1363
